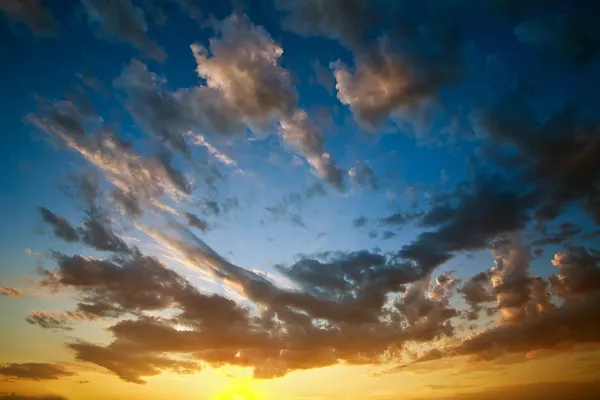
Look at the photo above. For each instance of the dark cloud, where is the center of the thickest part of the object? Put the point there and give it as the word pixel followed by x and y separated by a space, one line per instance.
pixel 476 291
pixel 402 68
pixel 34 371
pixel 10 292
pixel 101 236
pixel 126 365
pixel 38 17
pixel 558 153
pixel 59 320
pixel 574 36
pixel 477 214
pixel 578 272
pixel 195 222
pixel 399 218
pixel 122 20
pixel 565 231
pixel 61 227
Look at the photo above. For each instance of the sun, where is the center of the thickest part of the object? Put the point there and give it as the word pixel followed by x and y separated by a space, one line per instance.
pixel 240 388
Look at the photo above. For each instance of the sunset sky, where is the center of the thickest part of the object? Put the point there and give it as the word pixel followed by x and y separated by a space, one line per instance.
pixel 299 199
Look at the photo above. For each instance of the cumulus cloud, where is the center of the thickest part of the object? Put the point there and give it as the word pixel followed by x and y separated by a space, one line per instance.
pixel 243 69
pixel 404 68
pixel 35 371
pixel 38 17
pixel 122 20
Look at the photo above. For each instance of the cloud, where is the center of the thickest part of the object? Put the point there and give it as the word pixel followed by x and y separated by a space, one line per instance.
pixel 566 230
pixel 399 218
pixel 35 371
pixel 243 69
pixel 122 20
pixel 578 272
pixel 196 222
pixel 10 292
pixel 402 69
pixel 58 320
pixel 39 18
pixel 363 175
pixel 573 36
pixel 126 365
pixel 61 227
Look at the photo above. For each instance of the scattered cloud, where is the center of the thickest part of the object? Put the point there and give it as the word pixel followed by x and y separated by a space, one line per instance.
pixel 122 20
pixel 33 13
pixel 34 371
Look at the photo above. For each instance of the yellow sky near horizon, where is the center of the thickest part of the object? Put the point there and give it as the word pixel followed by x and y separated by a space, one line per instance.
pixel 428 380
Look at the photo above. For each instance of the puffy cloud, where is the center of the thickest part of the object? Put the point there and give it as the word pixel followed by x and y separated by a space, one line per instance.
pixel 519 296
pixel 298 131
pixel 578 272
pixel 243 69
pixel 61 227
pixel 411 61
pixel 476 290
pixel 38 17
pixel 10 292
pixel 34 371
pixel 122 20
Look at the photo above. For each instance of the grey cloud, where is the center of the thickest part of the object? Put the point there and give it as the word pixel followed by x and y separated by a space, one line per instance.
pixel 565 231
pixel 122 20
pixel 56 320
pixel 128 366
pixel 38 17
pixel 196 222
pixel 401 70
pixel 61 227
pixel 399 218
pixel 574 36
pixel 35 371
pixel 578 272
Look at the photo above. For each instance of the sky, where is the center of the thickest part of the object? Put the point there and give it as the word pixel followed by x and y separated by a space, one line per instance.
pixel 299 199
